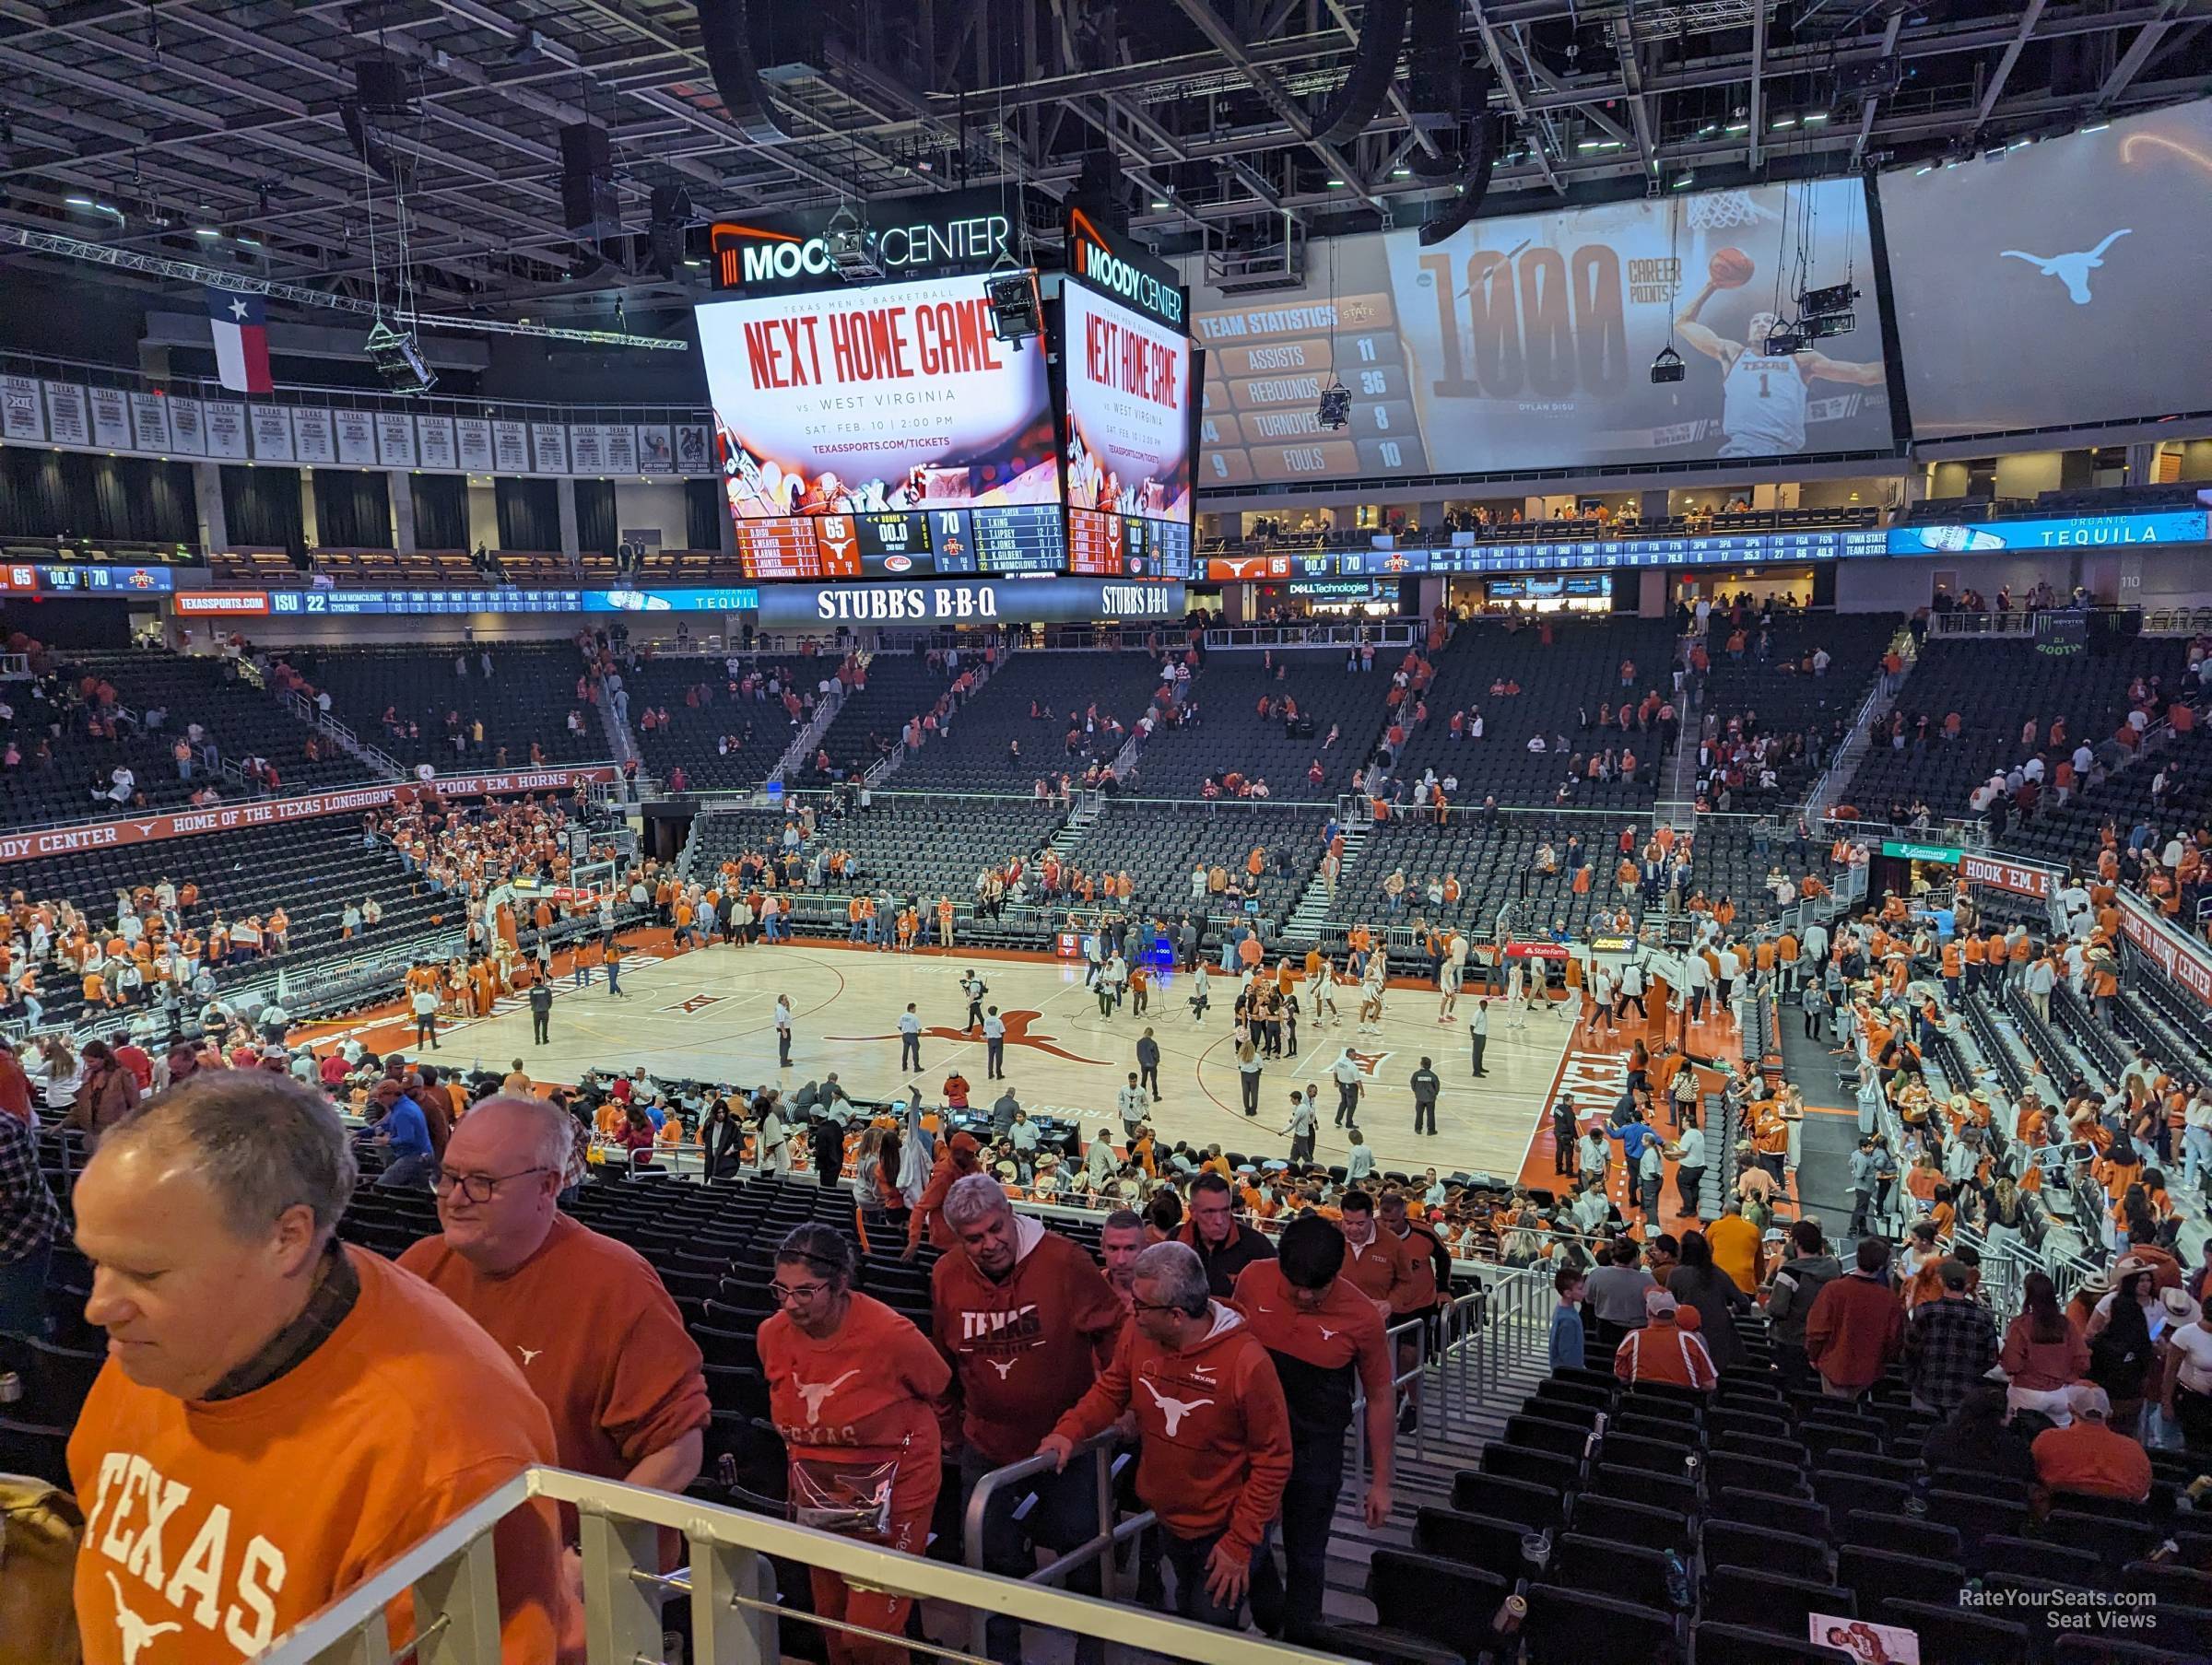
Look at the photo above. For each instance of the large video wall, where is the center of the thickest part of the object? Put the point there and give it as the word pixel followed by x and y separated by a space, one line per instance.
pixel 2058 283
pixel 1527 342
pixel 882 431
pixel 1128 438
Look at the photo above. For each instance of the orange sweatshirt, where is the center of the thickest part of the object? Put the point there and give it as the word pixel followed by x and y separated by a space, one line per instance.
pixel 1214 1451
pixel 228 1523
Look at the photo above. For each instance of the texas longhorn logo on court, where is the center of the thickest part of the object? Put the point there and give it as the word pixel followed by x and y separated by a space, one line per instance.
pixel 1017 1035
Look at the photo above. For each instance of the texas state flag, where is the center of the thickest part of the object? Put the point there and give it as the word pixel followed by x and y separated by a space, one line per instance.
pixel 241 323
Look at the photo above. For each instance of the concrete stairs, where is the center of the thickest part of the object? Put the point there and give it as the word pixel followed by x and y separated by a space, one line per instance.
pixel 1312 913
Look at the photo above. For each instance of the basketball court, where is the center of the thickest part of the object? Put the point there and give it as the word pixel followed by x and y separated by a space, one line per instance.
pixel 707 1014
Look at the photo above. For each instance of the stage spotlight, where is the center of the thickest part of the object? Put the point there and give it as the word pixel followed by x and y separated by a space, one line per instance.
pixel 1015 310
pixel 1668 366
pixel 1336 409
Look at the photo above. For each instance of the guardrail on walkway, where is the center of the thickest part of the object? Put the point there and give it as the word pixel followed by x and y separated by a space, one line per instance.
pixel 450 1582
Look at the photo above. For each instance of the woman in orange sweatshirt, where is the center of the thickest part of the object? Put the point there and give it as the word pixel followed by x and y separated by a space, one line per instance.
pixel 853 1388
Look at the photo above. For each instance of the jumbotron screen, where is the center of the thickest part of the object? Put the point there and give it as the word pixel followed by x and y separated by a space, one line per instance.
pixel 882 432
pixel 1128 440
pixel 1526 341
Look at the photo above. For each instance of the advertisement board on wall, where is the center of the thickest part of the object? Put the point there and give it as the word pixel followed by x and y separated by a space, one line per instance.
pixel 2072 532
pixel 1527 340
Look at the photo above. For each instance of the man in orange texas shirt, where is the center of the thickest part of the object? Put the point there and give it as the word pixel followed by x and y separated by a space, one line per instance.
pixel 277 1417
pixel 585 1318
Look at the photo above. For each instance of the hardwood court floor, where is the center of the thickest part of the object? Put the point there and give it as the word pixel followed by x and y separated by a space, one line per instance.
pixel 708 1014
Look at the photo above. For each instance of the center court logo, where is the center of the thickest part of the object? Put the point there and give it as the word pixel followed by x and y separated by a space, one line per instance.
pixel 697 1003
pixel 1017 1035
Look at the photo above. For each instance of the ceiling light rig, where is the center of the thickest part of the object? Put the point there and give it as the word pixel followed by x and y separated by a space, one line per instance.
pixel 184 271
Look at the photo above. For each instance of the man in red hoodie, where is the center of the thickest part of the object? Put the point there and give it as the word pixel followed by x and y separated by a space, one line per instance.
pixel 1027 1320
pixel 1857 1326
pixel 1214 1430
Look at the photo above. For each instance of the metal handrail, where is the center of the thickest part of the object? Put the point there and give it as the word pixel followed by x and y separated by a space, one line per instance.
pixel 1100 1448
pixel 449 1580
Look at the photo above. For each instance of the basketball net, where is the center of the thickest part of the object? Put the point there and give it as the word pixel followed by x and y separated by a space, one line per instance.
pixel 1719 210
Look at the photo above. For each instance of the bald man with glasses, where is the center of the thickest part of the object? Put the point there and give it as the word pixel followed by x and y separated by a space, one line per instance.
pixel 584 1317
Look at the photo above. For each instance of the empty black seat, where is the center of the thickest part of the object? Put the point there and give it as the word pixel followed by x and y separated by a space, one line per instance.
pixel 1425 1606
pixel 1976 1517
pixel 1534 1507
pixel 1567 1627
pixel 1616 1517
pixel 1627 1572
pixel 2181 1585
pixel 1741 1644
pixel 1477 1540
pixel 1631 1451
pixel 1872 1575
pixel 1641 1485
pixel 1732 1543
pixel 1786 1451
pixel 35 1449
pixel 1903 1534
pixel 1844 1492
pixel 1755 1475
pixel 2115 1541
pixel 1538 1468
pixel 1959 1636
pixel 1764 1509
pixel 1563 1439
pixel 1770 1600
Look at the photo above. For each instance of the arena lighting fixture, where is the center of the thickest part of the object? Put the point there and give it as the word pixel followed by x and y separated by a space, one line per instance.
pixel 1335 408
pixel 1785 341
pixel 1015 310
pixel 1829 323
pixel 186 271
pixel 851 247
pixel 1668 366
pixel 399 360
pixel 1836 297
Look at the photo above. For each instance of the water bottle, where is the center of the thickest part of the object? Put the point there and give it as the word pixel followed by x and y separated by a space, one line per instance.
pixel 11 1387
pixel 1677 1582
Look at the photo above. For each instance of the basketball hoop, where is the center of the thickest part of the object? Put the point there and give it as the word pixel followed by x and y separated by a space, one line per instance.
pixel 1719 210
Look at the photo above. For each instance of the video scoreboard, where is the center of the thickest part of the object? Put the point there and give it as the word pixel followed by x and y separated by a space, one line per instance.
pixel 1005 541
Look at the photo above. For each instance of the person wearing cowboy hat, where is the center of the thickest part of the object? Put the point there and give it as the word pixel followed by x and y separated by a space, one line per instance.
pixel 2187 1399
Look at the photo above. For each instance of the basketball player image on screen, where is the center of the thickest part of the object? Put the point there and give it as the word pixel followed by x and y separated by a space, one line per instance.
pixel 1763 395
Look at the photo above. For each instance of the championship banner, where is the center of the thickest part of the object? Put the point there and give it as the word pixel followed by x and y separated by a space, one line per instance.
pixel 272 812
pixel 2179 958
pixel 2021 878
pixel 111 418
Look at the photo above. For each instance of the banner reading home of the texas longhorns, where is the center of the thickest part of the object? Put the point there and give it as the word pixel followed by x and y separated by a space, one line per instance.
pixel 272 812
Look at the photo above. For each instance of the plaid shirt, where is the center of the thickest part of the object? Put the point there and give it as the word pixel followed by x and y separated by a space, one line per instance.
pixel 1950 1346
pixel 28 1213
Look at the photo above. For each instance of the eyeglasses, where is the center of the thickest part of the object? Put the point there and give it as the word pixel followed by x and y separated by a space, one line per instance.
pixel 784 1294
pixel 1137 1306
pixel 478 1188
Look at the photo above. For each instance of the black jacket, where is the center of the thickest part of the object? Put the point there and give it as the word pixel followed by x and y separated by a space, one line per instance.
pixel 1244 1247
